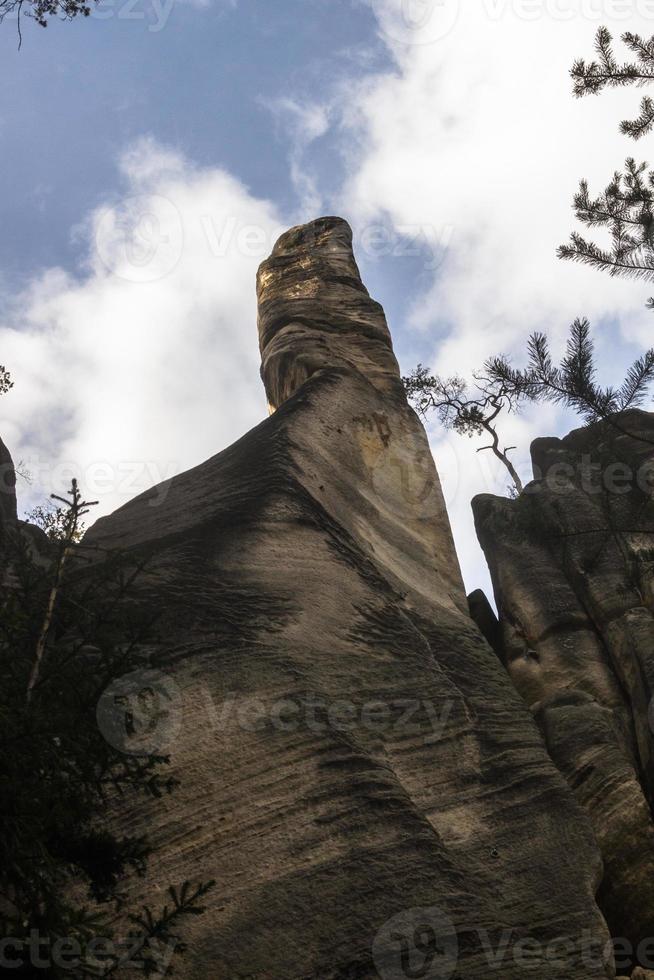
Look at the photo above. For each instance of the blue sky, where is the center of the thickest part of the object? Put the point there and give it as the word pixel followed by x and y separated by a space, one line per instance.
pixel 445 132
pixel 195 77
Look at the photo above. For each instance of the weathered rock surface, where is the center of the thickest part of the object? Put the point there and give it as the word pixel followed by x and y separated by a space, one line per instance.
pixel 572 563
pixel 349 747
pixel 7 486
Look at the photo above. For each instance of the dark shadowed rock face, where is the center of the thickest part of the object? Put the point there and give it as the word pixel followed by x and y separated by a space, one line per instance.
pixel 349 747
pixel 572 563
pixel 7 486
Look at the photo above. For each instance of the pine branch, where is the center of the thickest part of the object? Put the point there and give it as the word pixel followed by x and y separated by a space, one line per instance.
pixel 187 901
pixel 58 768
pixel 626 209
pixel 639 377
pixel 643 123
pixel 592 77
pixel 5 380
pixel 578 367
pixel 573 383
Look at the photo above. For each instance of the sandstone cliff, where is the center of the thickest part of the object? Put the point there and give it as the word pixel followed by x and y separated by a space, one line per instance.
pixel 8 510
pixel 357 771
pixel 572 563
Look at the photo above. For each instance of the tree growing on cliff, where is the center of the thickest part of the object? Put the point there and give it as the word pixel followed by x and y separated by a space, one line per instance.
pixel 501 388
pixel 624 208
pixel 64 639
pixel 54 520
pixel 573 384
pixel 469 410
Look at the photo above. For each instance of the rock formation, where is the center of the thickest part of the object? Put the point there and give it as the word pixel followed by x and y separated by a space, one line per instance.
pixel 572 563
pixel 8 511
pixel 357 771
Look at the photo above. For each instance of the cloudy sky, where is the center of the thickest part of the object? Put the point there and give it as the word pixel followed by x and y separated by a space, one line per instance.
pixel 153 151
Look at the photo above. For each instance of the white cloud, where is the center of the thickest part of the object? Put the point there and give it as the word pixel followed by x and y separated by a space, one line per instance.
pixel 147 363
pixel 475 130
pixel 472 135
pixel 301 123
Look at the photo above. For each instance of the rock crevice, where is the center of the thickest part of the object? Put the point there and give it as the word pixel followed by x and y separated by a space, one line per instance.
pixel 572 564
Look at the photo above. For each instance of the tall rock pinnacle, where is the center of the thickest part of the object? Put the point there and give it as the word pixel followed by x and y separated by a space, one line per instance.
pixel 355 768
pixel 315 313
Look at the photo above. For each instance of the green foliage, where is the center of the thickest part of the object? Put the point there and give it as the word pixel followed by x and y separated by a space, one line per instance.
pixel 467 412
pixel 592 77
pixel 63 874
pixel 624 208
pixel 502 388
pixel 643 123
pixel 573 383
pixel 54 522
pixel 448 397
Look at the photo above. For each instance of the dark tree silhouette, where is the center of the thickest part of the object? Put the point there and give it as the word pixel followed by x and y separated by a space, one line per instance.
pixel 592 77
pixel 467 413
pixel 43 11
pixel 5 380
pixel 64 637
pixel 624 208
pixel 500 387
pixel 573 383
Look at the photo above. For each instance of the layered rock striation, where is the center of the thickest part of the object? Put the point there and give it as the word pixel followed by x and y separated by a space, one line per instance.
pixel 572 564
pixel 357 771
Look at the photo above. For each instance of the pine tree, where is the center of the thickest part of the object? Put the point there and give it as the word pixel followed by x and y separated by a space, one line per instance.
pixel 625 206
pixel 625 209
pixel 66 632
pixel 590 78
pixel 466 414
pixel 501 388
pixel 573 383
